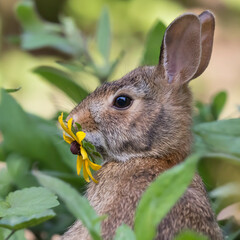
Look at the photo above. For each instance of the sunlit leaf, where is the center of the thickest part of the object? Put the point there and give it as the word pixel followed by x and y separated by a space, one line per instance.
pixel 63 81
pixel 218 104
pixel 124 232
pixel 104 35
pixel 153 44
pixel 220 136
pixel 190 235
pixel 161 196
pixel 27 202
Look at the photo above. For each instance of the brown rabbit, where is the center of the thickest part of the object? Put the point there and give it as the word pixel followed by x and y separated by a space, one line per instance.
pixel 142 126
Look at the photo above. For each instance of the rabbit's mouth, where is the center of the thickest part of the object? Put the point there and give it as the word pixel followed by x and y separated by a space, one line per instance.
pixel 99 142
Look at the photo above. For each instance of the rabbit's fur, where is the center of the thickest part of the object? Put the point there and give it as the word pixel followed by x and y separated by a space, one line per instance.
pixel 150 136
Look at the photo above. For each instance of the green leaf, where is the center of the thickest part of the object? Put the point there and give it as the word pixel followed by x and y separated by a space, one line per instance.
pixel 88 146
pixel 16 223
pixel 218 104
pixel 161 196
pixel 234 235
pixel 76 204
pixel 63 81
pixel 5 182
pixel 124 232
pixel 31 41
pixel 28 18
pixel 28 135
pixel 73 35
pixel 153 44
pixel 18 168
pixel 19 235
pixel 12 90
pixel 72 66
pixel 190 235
pixel 220 136
pixel 104 35
pixel 28 201
pixel 37 33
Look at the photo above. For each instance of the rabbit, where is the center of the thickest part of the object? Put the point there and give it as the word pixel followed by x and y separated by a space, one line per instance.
pixel 141 124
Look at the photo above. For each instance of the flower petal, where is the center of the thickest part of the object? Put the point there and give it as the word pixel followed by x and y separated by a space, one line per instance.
pixel 60 120
pixel 83 153
pixel 89 171
pixel 94 166
pixel 80 136
pixel 85 174
pixel 69 124
pixel 68 139
pixel 79 164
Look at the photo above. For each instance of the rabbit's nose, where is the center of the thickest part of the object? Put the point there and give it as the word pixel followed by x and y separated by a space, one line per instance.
pixel 85 119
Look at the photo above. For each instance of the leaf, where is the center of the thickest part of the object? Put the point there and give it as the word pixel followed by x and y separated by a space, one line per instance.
pixel 220 136
pixel 218 104
pixel 76 204
pixel 234 235
pixel 18 168
pixel 161 196
pixel 190 235
pixel 153 44
pixel 16 223
pixel 5 182
pixel 28 18
pixel 19 235
pixel 88 146
pixel 73 35
pixel 12 90
pixel 37 33
pixel 31 41
pixel 63 81
pixel 28 135
pixel 104 35
pixel 124 232
pixel 28 201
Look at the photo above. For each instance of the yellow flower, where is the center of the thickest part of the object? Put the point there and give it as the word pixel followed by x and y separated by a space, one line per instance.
pixel 83 161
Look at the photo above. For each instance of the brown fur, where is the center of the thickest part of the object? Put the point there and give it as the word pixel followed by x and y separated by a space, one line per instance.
pixel 149 137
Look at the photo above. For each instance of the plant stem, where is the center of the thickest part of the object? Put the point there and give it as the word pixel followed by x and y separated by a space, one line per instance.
pixel 12 232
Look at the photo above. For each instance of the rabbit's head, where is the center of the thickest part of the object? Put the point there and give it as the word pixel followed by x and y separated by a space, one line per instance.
pixel 147 113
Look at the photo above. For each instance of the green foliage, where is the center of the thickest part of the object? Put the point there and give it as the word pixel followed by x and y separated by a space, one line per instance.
pixel 27 135
pixel 26 202
pixel 37 33
pixel 211 112
pixel 76 204
pixel 104 35
pixel 189 235
pixel 153 44
pixel 27 207
pixel 16 223
pixel 62 81
pixel 160 197
pixel 125 232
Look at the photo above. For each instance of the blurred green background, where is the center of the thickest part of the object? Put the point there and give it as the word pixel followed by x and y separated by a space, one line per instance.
pixel 130 21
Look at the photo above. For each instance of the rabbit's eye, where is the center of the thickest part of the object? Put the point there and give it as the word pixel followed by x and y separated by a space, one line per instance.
pixel 122 102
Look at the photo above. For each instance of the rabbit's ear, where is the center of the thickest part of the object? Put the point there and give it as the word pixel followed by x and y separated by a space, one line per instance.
pixel 207 32
pixel 181 49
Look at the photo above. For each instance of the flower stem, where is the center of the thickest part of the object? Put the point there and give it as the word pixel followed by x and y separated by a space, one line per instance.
pixel 11 233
